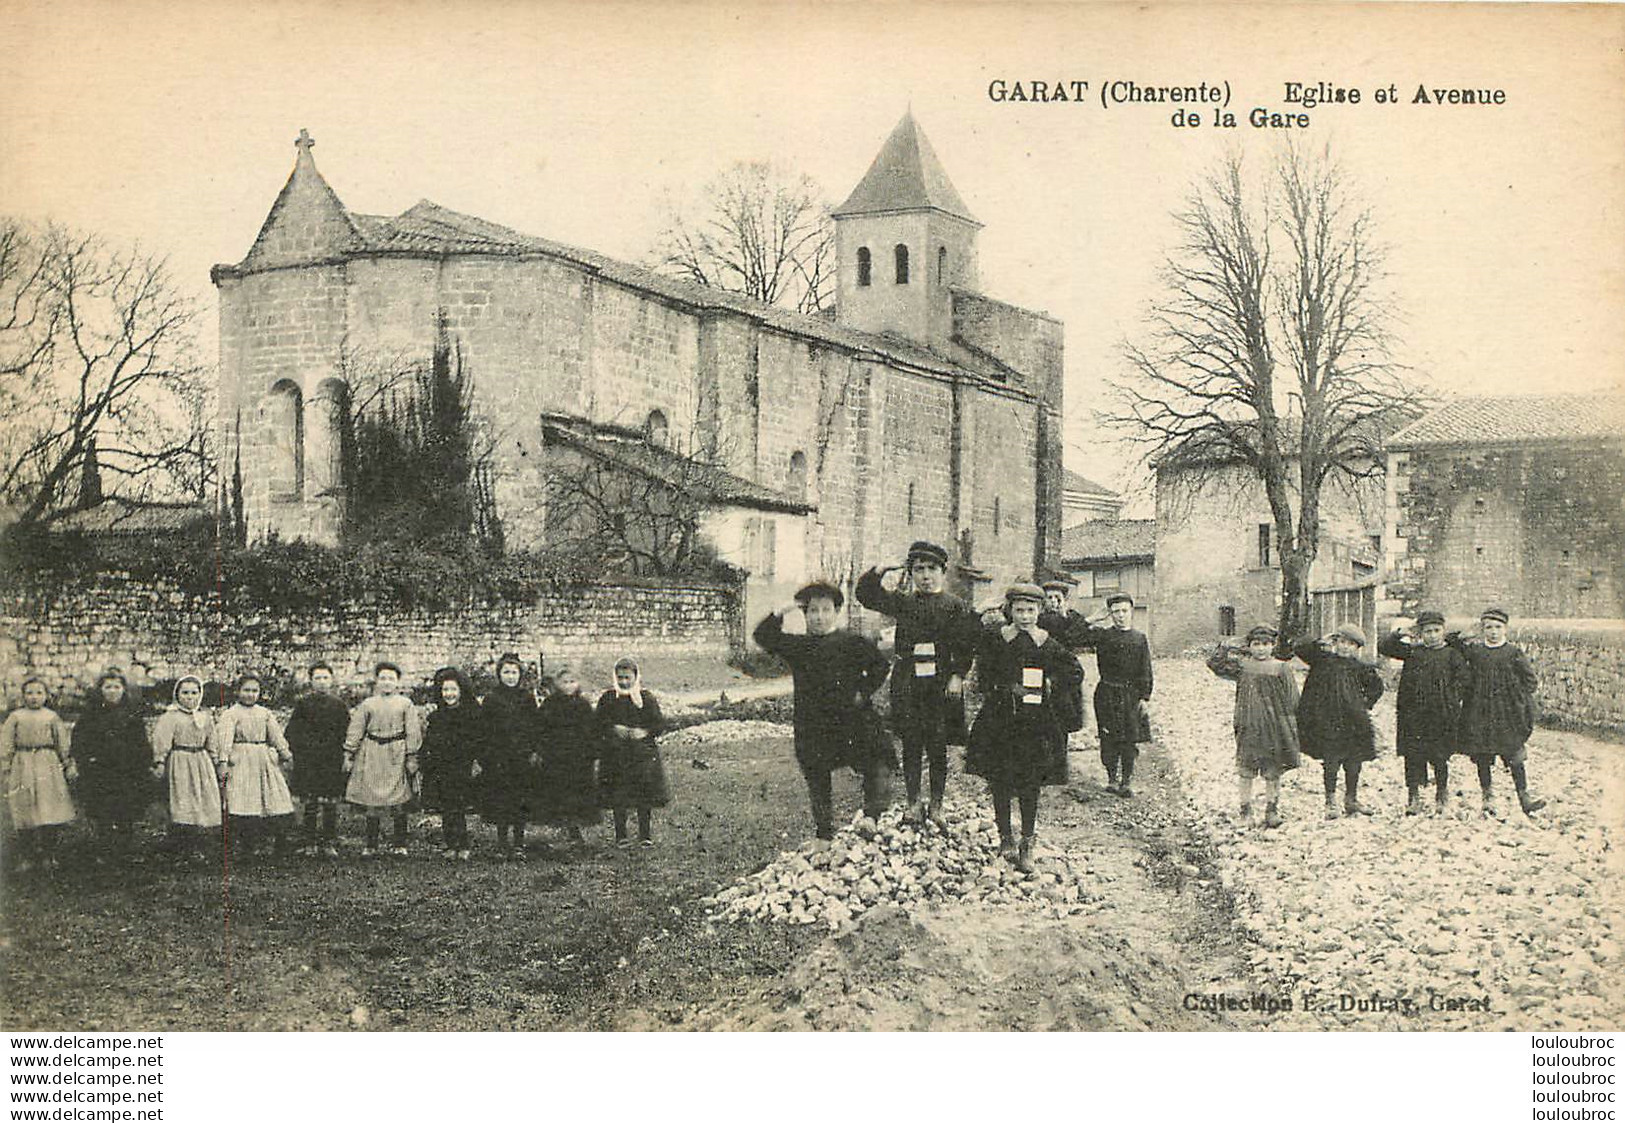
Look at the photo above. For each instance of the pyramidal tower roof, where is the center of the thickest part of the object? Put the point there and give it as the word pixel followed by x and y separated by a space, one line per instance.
pixel 906 176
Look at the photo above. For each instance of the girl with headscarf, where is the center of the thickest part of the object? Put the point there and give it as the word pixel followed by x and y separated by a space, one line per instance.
pixel 631 774
pixel 570 745
pixel 507 769
pixel 453 739
pixel 115 765
pixel 186 756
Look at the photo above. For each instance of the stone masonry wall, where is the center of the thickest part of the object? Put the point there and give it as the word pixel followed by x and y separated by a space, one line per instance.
pixel 1581 667
pixel 68 635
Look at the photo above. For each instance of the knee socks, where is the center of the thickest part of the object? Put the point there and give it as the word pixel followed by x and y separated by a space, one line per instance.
pixel 1001 811
pixel 1351 777
pixel 1029 811
pixel 1328 776
pixel 399 825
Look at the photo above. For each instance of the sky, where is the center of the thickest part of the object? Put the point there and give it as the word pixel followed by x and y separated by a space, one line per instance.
pixel 172 125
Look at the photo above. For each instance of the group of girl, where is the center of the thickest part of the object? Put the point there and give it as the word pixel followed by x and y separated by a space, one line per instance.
pixel 506 756
pixel 1457 696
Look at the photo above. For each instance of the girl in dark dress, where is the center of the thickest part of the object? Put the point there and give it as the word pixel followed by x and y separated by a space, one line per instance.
pixel 1334 712
pixel 453 739
pixel 631 773
pixel 1498 707
pixel 508 757
pixel 315 735
pixel 571 744
pixel 1028 682
pixel 115 766
pixel 1429 706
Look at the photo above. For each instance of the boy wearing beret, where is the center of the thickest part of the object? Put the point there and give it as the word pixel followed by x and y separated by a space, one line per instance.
pixel 1497 706
pixel 1429 707
pixel 835 672
pixel 936 641
pixel 1334 712
pixel 1123 657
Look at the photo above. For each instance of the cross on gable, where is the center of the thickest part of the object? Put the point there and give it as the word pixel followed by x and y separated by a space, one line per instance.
pixel 304 142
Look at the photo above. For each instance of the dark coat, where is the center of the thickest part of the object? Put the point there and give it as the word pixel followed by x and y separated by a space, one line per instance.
pixel 1334 712
pixel 832 673
pixel 572 742
pixel 1431 686
pixel 512 735
pixel 315 736
pixel 453 740
pixel 1123 657
pixel 114 757
pixel 935 640
pixel 631 773
pixel 1498 704
pixel 1017 743
pixel 1065 626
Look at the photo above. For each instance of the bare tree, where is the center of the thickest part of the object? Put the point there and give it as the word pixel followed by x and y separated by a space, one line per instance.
pixel 756 229
pixel 97 366
pixel 1271 348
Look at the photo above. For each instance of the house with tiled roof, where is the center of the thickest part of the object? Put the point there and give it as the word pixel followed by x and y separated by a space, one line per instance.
pixel 1082 499
pixel 1106 556
pixel 922 409
pixel 1517 501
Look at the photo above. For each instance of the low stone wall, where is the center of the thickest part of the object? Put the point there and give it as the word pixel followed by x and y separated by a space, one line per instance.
pixel 67 635
pixel 1581 665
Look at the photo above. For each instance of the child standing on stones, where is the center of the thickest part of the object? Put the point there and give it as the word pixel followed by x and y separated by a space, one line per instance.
pixel 571 746
pixel 34 757
pixel 115 766
pixel 507 771
pixel 316 735
pixel 381 755
pixel 186 753
pixel 836 672
pixel 257 799
pixel 453 740
pixel 1429 706
pixel 1334 713
pixel 1498 707
pixel 936 641
pixel 1266 720
pixel 1123 656
pixel 1018 743
pixel 631 775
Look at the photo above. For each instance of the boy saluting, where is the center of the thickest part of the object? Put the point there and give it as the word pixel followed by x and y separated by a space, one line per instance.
pixel 1123 656
pixel 835 672
pixel 936 642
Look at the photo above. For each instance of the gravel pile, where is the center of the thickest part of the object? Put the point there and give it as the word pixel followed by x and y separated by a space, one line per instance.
pixel 896 863
pixel 724 733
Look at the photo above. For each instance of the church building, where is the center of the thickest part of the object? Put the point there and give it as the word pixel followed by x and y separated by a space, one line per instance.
pixel 922 409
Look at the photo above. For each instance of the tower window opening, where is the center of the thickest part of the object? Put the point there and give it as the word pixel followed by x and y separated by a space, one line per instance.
pixel 863 266
pixel 900 252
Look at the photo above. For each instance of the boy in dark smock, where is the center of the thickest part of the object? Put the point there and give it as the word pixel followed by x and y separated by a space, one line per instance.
pixel 935 643
pixel 315 735
pixel 1498 706
pixel 835 672
pixel 1334 712
pixel 1429 705
pixel 1018 744
pixel 1123 658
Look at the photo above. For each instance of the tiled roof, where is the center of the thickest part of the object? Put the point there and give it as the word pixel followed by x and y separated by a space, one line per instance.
pixel 1546 417
pixel 654 462
pixel 1071 481
pixel 1108 540
pixel 906 176
pixel 116 516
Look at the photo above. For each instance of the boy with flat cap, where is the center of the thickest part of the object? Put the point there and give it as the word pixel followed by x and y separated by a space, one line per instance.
pixel 1429 706
pixel 1123 658
pixel 1334 712
pixel 936 641
pixel 835 672
pixel 1497 706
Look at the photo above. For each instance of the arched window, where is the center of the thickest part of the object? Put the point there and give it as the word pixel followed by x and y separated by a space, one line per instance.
pixel 863 266
pixel 795 483
pixel 942 265
pixel 283 414
pixel 900 252
pixel 330 430
pixel 655 429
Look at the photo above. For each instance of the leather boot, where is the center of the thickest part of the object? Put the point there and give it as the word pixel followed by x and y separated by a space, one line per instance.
pixel 1272 815
pixel 1529 803
pixel 1413 806
pixel 1024 856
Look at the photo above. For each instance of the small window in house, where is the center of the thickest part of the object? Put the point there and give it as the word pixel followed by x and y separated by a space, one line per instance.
pixel 863 266
pixel 655 428
pixel 1376 543
pixel 942 265
pixel 900 252
pixel 1264 546
pixel 1227 620
pixel 795 483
